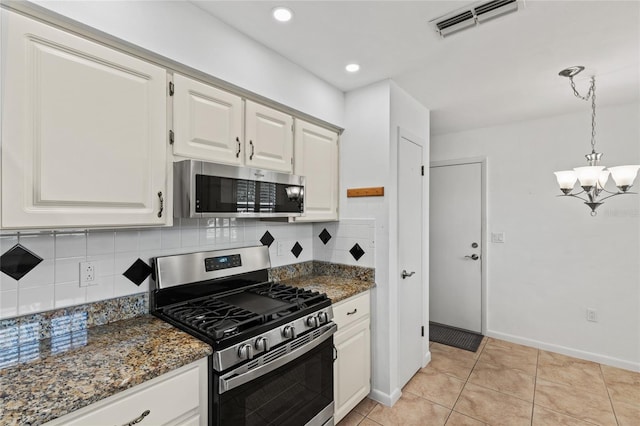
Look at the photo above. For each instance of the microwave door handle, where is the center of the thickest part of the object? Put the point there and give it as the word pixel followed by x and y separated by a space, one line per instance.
pixel 231 380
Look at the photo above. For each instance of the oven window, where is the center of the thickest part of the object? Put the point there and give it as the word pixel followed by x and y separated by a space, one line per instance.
pixel 291 395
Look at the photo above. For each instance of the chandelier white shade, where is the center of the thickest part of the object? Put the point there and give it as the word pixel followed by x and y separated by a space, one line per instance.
pixel 624 176
pixel 593 177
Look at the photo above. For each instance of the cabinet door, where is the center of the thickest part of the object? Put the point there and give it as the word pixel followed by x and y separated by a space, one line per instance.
pixel 207 122
pixel 268 138
pixel 352 369
pixel 316 158
pixel 83 132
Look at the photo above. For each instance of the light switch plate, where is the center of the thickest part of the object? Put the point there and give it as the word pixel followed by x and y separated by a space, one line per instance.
pixel 497 237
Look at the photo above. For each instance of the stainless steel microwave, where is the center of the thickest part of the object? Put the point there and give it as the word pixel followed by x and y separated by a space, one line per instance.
pixel 203 189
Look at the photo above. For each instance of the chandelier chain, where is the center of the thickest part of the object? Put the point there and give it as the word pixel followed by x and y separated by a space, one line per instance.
pixel 591 94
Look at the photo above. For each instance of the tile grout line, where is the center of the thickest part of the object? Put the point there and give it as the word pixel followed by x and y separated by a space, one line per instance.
pixel 564 384
pixel 535 385
pixel 465 384
pixel 613 409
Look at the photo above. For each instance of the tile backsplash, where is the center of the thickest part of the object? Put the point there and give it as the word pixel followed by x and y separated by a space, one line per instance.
pixel 348 242
pixel 55 281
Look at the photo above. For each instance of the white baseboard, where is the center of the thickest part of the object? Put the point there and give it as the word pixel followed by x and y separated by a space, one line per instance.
pixel 589 356
pixel 427 359
pixel 384 398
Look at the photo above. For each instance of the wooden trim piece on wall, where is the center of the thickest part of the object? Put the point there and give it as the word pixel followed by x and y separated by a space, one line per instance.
pixel 377 191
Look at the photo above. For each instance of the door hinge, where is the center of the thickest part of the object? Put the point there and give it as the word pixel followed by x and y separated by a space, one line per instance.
pixel 171 137
pixel 422 331
pixel 422 170
pixel 171 88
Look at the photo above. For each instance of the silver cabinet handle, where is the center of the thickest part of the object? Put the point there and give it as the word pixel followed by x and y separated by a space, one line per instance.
pixel 472 257
pixel 138 419
pixel 352 312
pixel 252 150
pixel 238 151
pixel 406 274
pixel 161 204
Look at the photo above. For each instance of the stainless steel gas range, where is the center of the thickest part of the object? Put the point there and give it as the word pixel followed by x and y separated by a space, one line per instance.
pixel 273 344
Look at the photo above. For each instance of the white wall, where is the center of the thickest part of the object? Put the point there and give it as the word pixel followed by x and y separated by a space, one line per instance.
pixel 557 260
pixel 368 158
pixel 364 162
pixel 185 33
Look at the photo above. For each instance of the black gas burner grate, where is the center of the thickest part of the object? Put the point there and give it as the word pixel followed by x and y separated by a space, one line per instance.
pixel 220 317
pixel 301 297
pixel 214 317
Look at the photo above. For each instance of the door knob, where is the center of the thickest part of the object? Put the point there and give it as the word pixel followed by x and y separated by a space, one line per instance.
pixel 406 274
pixel 473 257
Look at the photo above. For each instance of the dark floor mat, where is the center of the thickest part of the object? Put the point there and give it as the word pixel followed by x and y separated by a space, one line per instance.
pixel 455 337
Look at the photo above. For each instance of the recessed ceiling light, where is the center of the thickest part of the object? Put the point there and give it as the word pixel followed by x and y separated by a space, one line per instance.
pixel 352 67
pixel 282 14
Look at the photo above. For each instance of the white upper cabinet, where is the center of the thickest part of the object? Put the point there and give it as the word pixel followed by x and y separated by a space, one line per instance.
pixel 207 122
pixel 268 138
pixel 83 132
pixel 316 158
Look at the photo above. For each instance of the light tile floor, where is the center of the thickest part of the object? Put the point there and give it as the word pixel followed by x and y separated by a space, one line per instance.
pixel 508 384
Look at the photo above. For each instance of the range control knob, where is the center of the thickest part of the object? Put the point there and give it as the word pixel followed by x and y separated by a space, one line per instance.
pixel 312 321
pixel 289 332
pixel 323 317
pixel 262 344
pixel 245 351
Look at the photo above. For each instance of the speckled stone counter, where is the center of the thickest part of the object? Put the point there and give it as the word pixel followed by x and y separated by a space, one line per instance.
pixel 47 379
pixel 337 288
pixel 338 281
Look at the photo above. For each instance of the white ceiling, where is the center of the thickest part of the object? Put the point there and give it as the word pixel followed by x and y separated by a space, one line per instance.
pixel 501 71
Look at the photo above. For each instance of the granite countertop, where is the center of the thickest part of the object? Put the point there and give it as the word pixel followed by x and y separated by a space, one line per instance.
pixel 53 377
pixel 337 288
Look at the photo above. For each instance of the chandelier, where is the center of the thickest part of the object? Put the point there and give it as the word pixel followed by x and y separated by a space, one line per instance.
pixel 593 177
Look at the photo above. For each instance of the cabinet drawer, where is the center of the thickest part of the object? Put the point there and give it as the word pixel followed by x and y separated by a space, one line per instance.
pixel 351 310
pixel 181 388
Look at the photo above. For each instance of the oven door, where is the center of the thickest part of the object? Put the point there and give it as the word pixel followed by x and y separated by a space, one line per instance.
pixel 289 386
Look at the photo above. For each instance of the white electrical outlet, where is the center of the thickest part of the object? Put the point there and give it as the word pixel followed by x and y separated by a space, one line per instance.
pixel 592 315
pixel 88 274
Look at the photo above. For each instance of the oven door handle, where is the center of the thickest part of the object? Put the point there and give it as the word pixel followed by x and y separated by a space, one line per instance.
pixel 231 380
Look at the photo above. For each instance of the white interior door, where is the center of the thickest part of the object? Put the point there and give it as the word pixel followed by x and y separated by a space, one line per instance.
pixel 410 297
pixel 455 227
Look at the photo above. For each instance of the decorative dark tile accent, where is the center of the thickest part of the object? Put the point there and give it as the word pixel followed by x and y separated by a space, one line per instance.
pixel 18 262
pixel 324 236
pixel 267 239
pixel 357 252
pixel 296 250
pixel 138 272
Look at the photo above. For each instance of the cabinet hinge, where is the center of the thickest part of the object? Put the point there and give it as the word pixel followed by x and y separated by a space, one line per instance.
pixel 422 331
pixel 171 137
pixel 422 170
pixel 171 88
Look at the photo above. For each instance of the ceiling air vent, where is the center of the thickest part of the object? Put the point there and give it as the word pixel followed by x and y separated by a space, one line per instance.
pixel 473 15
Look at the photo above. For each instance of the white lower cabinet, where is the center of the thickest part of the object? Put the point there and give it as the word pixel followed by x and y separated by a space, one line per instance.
pixel 352 369
pixel 175 398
